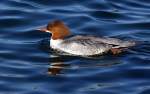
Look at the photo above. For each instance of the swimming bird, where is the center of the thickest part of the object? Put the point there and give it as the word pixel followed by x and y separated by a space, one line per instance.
pixel 81 45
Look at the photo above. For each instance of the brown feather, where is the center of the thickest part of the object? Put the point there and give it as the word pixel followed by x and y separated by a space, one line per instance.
pixel 58 29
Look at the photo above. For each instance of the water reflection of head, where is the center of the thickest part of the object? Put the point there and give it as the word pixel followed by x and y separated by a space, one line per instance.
pixel 57 68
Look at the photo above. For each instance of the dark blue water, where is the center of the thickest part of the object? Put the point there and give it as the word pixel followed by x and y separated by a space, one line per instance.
pixel 28 66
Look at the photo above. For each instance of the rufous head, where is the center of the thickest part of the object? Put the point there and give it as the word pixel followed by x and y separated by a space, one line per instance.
pixel 58 29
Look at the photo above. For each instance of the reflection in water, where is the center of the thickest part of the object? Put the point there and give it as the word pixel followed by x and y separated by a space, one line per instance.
pixel 58 64
pixel 56 68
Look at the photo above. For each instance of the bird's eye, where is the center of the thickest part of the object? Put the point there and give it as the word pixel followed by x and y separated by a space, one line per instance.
pixel 49 26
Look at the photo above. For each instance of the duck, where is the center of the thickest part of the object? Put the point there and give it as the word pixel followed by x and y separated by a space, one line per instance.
pixel 82 45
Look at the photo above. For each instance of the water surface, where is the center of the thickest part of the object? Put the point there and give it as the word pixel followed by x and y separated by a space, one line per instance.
pixel 29 66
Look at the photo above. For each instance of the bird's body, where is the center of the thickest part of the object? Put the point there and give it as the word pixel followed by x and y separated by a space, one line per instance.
pixel 82 45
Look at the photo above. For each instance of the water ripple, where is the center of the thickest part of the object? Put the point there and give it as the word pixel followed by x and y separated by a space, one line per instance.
pixel 29 66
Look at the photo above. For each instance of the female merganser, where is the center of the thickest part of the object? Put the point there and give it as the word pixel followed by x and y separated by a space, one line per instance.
pixel 82 45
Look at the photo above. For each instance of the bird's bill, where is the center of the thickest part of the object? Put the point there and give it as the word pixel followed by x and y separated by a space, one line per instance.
pixel 43 29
